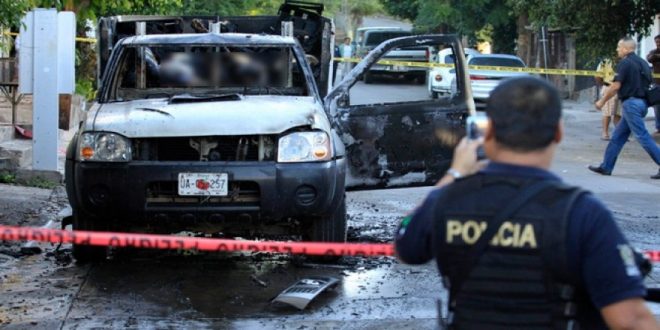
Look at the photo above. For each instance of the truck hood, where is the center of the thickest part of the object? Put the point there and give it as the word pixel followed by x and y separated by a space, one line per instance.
pixel 253 115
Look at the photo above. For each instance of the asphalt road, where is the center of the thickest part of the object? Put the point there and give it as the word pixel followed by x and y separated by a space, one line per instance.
pixel 154 290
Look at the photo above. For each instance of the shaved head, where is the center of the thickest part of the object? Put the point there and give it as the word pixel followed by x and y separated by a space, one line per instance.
pixel 625 46
pixel 629 43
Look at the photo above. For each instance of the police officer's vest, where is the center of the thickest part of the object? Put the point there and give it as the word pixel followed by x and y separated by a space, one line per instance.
pixel 521 280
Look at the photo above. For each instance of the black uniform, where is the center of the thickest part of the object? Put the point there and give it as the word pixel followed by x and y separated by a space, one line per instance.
pixel 549 266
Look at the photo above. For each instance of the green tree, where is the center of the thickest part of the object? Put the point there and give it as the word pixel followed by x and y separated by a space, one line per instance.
pixel 231 7
pixel 402 9
pixel 91 10
pixel 348 14
pixel 12 11
pixel 596 25
pixel 479 20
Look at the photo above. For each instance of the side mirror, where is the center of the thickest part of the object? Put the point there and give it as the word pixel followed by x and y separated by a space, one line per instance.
pixel 344 100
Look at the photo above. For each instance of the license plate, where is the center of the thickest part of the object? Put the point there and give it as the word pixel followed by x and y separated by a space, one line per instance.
pixel 399 68
pixel 203 184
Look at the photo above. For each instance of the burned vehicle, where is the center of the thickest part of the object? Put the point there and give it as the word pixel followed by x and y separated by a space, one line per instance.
pixel 227 133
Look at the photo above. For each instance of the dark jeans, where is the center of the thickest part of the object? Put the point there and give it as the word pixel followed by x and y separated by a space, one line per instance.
pixel 634 110
pixel 656 109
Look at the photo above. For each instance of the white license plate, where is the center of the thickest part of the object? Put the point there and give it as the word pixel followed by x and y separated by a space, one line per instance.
pixel 400 68
pixel 203 184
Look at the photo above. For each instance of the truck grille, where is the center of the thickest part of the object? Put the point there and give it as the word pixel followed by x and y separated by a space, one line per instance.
pixel 210 148
pixel 166 193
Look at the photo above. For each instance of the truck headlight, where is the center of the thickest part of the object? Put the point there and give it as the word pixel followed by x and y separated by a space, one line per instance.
pixel 104 147
pixel 304 147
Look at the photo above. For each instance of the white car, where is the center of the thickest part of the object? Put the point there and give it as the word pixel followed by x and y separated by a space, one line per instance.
pixel 440 78
pixel 484 81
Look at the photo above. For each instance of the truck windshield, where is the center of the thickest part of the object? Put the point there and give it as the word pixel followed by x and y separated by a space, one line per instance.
pixel 165 71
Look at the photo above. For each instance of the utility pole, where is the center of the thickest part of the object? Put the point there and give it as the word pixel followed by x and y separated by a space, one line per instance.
pixel 544 41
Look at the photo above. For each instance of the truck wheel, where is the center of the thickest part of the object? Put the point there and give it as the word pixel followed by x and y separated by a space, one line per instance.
pixel 368 78
pixel 87 253
pixel 330 228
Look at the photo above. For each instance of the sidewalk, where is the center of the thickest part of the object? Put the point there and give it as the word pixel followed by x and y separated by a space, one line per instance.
pixel 18 149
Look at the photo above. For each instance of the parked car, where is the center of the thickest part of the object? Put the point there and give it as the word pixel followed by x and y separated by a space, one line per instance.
pixel 369 38
pixel 439 79
pixel 484 81
pixel 361 34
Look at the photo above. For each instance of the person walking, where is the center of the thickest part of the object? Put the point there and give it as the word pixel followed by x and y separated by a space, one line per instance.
pixel 628 84
pixel 654 58
pixel 516 247
pixel 612 109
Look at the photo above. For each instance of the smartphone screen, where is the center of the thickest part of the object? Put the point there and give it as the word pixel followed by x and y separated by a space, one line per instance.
pixel 476 126
pixel 475 129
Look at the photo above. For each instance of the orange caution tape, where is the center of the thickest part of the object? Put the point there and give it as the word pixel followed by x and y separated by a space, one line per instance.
pixel 149 241
pixel 654 256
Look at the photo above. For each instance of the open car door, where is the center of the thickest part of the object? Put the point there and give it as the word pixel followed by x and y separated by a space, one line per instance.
pixel 391 141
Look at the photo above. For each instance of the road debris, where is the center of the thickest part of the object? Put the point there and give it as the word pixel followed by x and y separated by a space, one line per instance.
pixel 305 290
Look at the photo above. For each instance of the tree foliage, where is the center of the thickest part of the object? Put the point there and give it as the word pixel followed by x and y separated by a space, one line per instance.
pixel 402 9
pixel 12 11
pixel 479 20
pixel 348 14
pixel 596 24
pixel 231 7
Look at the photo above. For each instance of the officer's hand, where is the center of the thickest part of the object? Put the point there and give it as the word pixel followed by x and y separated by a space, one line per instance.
pixel 465 156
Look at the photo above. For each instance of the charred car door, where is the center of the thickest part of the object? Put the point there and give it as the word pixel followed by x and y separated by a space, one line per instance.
pixel 399 143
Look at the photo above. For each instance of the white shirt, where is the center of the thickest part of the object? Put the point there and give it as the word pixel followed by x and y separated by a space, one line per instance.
pixel 347 51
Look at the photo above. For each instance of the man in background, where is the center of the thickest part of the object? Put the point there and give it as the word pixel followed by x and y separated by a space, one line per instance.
pixel 346 51
pixel 630 86
pixel 654 58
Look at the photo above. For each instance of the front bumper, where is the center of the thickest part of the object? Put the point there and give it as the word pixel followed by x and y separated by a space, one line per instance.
pixel 482 90
pixel 138 191
pixel 377 68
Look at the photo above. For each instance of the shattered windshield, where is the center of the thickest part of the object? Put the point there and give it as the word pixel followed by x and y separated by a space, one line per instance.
pixel 167 71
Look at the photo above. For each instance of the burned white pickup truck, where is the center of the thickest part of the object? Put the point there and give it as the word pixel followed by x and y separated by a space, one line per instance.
pixel 228 133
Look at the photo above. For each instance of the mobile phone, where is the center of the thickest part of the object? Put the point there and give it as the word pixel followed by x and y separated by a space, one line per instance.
pixel 476 126
pixel 475 129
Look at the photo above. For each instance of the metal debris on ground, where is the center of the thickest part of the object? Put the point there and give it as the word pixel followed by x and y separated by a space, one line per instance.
pixel 305 290
pixel 258 281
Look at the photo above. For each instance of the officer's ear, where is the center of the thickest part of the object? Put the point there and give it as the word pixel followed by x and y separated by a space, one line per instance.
pixel 489 133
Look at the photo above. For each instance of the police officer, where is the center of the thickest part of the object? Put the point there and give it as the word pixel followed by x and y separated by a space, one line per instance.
pixel 630 83
pixel 516 247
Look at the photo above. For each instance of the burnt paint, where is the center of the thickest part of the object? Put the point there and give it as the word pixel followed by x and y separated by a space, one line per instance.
pixel 388 141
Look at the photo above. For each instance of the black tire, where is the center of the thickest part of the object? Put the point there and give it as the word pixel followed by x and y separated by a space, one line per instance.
pixel 434 95
pixel 87 253
pixel 330 228
pixel 368 78
pixel 417 79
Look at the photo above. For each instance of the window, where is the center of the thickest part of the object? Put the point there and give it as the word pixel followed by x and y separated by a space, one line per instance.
pixel 497 61
pixel 393 80
pixel 377 37
pixel 175 69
